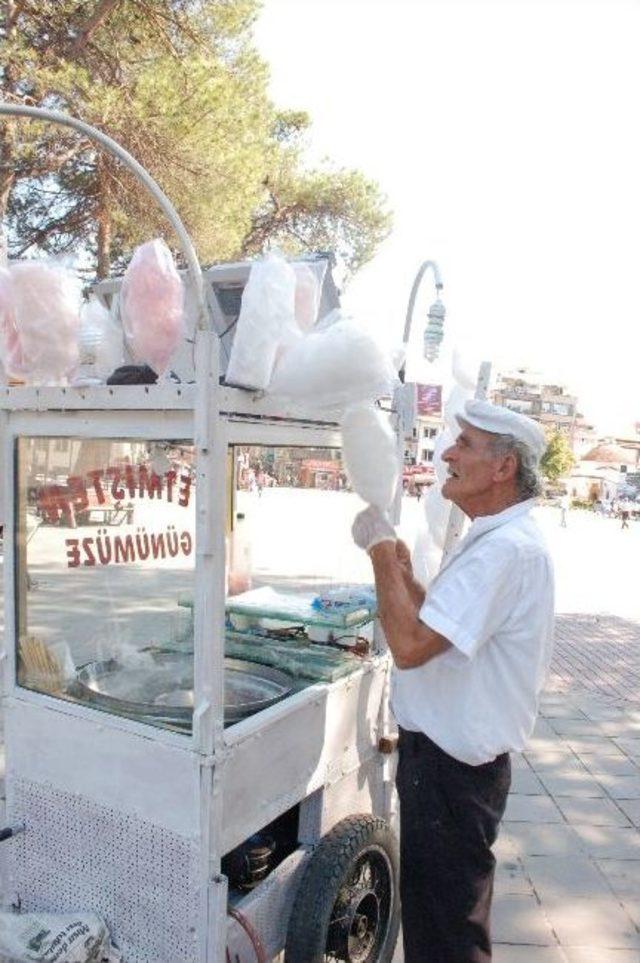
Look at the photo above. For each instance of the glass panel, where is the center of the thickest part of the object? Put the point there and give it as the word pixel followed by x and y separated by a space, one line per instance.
pixel 292 525
pixel 300 596
pixel 105 559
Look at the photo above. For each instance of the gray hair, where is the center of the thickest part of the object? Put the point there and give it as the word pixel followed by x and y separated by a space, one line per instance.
pixel 528 478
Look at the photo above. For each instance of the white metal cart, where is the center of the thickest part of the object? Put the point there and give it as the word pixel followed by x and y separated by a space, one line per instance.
pixel 200 831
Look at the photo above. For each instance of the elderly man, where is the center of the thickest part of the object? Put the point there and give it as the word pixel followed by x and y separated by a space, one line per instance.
pixel 471 656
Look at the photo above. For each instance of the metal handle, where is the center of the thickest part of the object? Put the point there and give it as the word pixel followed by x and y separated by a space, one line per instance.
pixel 186 245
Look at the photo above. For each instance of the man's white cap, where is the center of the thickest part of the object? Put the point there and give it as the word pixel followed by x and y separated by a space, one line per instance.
pixel 503 421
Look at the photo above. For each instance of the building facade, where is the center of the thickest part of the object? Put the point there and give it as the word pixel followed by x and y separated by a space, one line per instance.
pixel 528 393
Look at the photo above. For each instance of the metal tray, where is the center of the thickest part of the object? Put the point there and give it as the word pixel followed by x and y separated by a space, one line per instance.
pixel 159 687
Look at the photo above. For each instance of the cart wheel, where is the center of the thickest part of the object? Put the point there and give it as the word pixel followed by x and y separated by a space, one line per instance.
pixel 347 905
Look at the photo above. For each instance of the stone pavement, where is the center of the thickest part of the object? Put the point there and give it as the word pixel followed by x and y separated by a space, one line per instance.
pixel 568 876
pixel 568 881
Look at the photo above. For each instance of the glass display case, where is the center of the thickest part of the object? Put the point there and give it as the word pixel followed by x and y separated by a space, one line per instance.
pixel 105 549
pixel 105 566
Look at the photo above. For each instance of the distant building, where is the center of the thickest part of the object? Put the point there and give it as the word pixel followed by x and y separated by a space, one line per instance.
pixel 426 426
pixel 549 403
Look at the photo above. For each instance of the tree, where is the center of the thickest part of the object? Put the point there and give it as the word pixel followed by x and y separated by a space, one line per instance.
pixel 179 85
pixel 558 458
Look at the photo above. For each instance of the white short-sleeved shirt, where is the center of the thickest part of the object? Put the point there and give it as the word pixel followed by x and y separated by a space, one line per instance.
pixel 493 600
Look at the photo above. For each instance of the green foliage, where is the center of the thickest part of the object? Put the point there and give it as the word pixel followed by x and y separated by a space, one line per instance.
pixel 179 85
pixel 558 458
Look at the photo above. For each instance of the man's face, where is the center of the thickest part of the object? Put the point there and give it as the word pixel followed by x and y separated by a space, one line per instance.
pixel 475 472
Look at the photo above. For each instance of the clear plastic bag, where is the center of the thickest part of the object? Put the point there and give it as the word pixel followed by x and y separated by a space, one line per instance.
pixel 370 454
pixel 55 938
pixel 41 308
pixel 337 364
pixel 10 346
pixel 101 346
pixel 308 294
pixel 152 305
pixel 265 323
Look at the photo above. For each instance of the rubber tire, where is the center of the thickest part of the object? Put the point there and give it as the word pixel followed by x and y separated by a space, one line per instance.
pixel 324 875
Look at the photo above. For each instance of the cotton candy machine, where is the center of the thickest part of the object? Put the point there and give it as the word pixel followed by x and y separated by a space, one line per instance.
pixel 158 688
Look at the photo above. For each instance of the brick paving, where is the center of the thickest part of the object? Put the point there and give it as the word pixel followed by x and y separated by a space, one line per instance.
pixel 568 875
pixel 599 654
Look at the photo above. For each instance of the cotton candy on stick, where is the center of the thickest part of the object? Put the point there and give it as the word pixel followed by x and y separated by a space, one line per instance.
pixel 152 305
pixel 370 454
pixel 46 304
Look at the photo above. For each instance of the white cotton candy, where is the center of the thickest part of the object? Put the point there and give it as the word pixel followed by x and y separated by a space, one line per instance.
pixel 444 440
pixel 152 305
pixel 425 558
pixel 338 363
pixel 46 303
pixel 266 321
pixel 10 345
pixel 100 340
pixel 437 510
pixel 308 292
pixel 370 454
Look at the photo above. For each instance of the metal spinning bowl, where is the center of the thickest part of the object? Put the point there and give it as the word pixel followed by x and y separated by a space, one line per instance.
pixel 158 687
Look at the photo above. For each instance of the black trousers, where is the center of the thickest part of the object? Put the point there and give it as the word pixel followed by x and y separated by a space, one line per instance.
pixel 449 818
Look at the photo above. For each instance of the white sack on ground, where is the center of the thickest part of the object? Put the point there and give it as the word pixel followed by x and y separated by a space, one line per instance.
pixel 55 938
pixel 152 305
pixel 266 320
pixel 46 304
pixel 338 363
pixel 370 454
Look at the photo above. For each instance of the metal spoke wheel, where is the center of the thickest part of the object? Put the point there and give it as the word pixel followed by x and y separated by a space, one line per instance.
pixel 346 908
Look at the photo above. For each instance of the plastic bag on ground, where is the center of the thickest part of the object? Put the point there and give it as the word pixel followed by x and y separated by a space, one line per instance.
pixel 337 364
pixel 266 321
pixel 42 344
pixel 370 454
pixel 152 305
pixel 55 938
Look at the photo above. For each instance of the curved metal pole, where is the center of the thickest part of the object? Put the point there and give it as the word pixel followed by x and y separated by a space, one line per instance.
pixel 188 250
pixel 414 292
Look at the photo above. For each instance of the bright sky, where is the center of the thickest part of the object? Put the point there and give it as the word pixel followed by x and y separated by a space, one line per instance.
pixel 505 135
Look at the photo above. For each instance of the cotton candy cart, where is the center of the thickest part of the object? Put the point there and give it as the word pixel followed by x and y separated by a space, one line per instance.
pixel 201 773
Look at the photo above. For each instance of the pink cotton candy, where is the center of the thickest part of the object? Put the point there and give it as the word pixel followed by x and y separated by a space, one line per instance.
pixel 152 305
pixel 40 307
pixel 10 347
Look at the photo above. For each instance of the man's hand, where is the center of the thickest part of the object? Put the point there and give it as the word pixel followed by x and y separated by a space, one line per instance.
pixel 370 527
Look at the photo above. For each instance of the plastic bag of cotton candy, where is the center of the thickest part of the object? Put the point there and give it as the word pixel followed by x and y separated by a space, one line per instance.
pixel 370 454
pixel 338 363
pixel 152 305
pixel 55 938
pixel 39 317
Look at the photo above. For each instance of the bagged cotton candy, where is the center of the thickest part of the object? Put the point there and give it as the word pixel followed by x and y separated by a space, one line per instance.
pixel 100 342
pixel 152 305
pixel 370 454
pixel 309 279
pixel 42 341
pixel 338 363
pixel 265 323
pixel 10 346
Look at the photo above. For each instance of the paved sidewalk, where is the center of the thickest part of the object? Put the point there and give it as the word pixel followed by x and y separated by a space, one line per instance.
pixel 568 882
pixel 568 876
